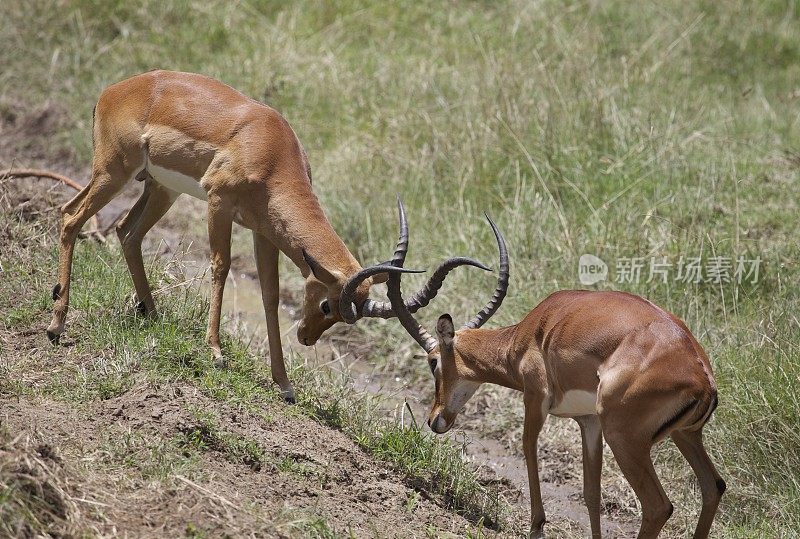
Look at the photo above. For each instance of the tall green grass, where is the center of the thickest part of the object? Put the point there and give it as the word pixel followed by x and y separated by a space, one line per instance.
pixel 613 128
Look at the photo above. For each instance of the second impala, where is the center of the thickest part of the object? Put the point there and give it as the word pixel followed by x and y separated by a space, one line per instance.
pixel 623 368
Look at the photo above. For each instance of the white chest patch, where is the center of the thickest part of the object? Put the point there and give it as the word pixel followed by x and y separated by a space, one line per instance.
pixel 576 403
pixel 177 182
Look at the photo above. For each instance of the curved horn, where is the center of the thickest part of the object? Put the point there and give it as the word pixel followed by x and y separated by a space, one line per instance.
pixel 346 307
pixel 502 282
pixel 383 309
pixel 402 243
pixel 419 333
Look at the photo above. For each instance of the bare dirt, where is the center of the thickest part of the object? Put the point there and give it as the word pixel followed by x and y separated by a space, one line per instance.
pixel 338 482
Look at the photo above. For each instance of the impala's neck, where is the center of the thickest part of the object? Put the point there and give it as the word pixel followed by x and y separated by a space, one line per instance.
pixel 488 356
pixel 300 224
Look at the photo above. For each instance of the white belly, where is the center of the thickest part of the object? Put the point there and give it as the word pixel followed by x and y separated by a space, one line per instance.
pixel 180 183
pixel 576 403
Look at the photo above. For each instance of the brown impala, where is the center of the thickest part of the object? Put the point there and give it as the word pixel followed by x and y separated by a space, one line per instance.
pixel 182 133
pixel 623 368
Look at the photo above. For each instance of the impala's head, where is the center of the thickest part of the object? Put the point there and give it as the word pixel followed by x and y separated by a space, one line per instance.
pixel 323 292
pixel 452 374
pixel 332 296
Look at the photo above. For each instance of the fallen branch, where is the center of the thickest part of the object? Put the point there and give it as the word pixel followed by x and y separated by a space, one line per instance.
pixel 41 173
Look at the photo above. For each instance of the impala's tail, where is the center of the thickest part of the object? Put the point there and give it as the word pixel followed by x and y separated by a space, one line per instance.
pixel 712 401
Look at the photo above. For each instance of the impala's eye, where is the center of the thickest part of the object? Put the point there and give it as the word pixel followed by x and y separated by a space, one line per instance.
pixel 432 362
pixel 325 308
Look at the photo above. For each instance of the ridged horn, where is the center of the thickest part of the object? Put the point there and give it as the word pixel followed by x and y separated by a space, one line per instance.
pixel 419 333
pixel 502 282
pixel 420 299
pixel 346 306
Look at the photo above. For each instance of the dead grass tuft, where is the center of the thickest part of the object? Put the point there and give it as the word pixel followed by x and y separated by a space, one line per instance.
pixel 37 495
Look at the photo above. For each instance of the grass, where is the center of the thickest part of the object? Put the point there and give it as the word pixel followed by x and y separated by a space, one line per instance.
pixel 618 129
pixel 34 491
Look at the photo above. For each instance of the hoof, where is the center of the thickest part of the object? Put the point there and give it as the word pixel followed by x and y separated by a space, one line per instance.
pixel 141 308
pixel 53 337
pixel 288 395
pixel 56 292
pixel 220 363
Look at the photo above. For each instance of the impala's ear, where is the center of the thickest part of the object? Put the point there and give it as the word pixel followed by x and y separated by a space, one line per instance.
pixel 328 278
pixel 445 330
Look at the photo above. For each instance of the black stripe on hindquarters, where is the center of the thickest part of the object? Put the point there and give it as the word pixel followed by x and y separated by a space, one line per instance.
pixel 671 422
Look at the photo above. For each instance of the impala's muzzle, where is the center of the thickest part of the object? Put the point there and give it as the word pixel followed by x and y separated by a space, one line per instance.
pixel 303 336
pixel 438 424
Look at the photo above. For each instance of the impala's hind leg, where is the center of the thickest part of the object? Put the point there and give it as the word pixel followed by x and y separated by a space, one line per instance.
pixel 106 182
pixel 632 453
pixel 151 206
pixel 712 486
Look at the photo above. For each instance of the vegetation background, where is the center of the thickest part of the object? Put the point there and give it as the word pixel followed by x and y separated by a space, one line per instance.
pixel 620 129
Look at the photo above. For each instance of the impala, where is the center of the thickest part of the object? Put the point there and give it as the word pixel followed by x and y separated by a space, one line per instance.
pixel 182 133
pixel 623 368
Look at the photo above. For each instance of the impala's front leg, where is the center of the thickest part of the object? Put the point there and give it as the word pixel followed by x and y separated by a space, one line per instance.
pixel 534 419
pixel 267 265
pixel 220 220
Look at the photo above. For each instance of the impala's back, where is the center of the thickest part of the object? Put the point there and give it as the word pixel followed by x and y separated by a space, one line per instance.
pixel 634 348
pixel 182 129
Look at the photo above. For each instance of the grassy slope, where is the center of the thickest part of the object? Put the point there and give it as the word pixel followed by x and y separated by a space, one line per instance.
pixel 611 128
pixel 116 352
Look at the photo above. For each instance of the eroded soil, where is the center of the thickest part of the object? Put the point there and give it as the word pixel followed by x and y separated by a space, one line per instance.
pixel 324 475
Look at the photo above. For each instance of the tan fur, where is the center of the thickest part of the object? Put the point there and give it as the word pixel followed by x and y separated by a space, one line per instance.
pixel 253 170
pixel 651 377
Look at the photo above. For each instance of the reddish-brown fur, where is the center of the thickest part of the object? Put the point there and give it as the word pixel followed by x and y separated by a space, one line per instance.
pixel 651 378
pixel 250 167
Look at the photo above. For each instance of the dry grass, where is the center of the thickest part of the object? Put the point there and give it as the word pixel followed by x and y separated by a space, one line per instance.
pixel 37 493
